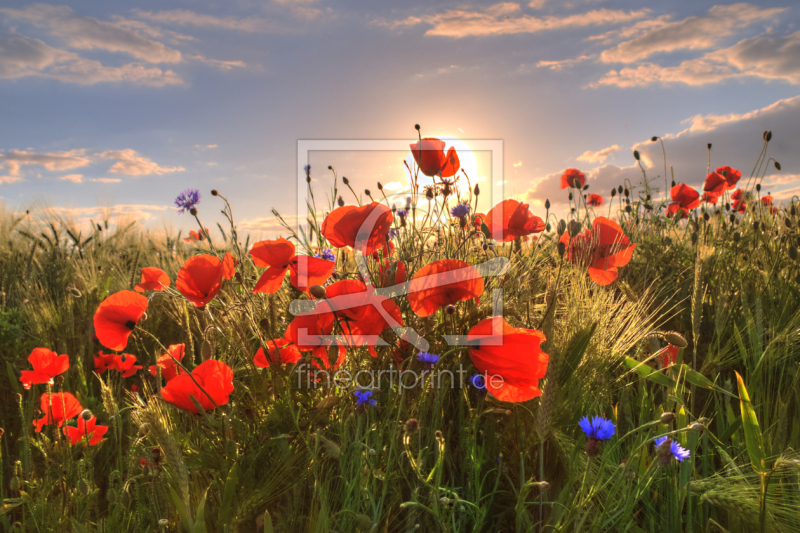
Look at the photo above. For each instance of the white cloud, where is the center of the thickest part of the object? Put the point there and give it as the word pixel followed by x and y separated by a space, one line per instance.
pixel 89 33
pixel 183 17
pixel 537 4
pixel 701 123
pixel 558 65
pixel 394 186
pixel 22 56
pixel 763 57
pixel 692 33
pixel 14 159
pixel 598 156
pixel 218 63
pixel 74 178
pixel 10 179
pixel 131 163
pixel 506 18
pixel 106 180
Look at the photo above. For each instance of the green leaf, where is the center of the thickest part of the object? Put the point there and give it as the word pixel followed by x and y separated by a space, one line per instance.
pixel 575 351
pixel 267 523
pixel 200 519
pixel 180 507
pixel 228 494
pixel 648 373
pixel 696 378
pixel 752 431
pixel 78 528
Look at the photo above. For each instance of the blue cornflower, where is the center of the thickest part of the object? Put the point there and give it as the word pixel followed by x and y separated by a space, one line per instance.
pixel 326 254
pixel 675 450
pixel 393 233
pixel 478 381
pixel 187 199
pixel 402 213
pixel 307 168
pixel 597 428
pixel 460 211
pixel 364 398
pixel 428 358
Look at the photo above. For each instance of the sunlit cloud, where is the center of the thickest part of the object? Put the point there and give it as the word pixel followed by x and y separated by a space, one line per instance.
pixel 13 160
pixel 74 178
pixel 131 163
pixel 598 156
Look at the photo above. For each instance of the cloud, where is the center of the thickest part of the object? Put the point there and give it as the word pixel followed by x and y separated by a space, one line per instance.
pixel 537 4
pixel 600 181
pixel 183 17
pixel 89 33
pixel 763 57
pixel 74 178
pixel 14 159
pixel 394 186
pixel 22 56
pixel 692 33
pixel 10 179
pixel 120 212
pixel 558 65
pixel 598 156
pixel 218 63
pixel 131 163
pixel 702 123
pixel 106 180
pixel 506 18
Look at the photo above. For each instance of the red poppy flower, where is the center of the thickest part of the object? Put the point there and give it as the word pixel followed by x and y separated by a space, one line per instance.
pixel 739 200
pixel 594 200
pixel 731 175
pixel 667 356
pixel 195 236
pixel 441 283
pixel 125 364
pixel 715 184
pixel 86 429
pixel 709 198
pixel 280 352
pixel 215 380
pixel 46 365
pixel 200 277
pixel 57 408
pixel 362 228
pixel 392 273
pixel 675 208
pixel 153 279
pixel 767 202
pixel 103 362
pixel 117 316
pixel 573 177
pixel 279 256
pixel 685 196
pixel 362 315
pixel 167 362
pixel 602 249
pixel 311 331
pixel 134 388
pixel 511 359
pixel 516 221
pixel 431 159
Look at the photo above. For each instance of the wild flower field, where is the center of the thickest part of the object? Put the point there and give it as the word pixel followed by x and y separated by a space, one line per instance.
pixel 423 367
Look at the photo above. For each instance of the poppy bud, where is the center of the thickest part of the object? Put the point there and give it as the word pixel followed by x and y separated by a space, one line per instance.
pixel 627 193
pixel 709 146
pixel 788 223
pixel 451 309
pixel 574 227
pixel 416 127
pixel 547 227
pixel 340 202
pixel 636 155
pixel 777 165
pixel 673 183
pixel 477 190
pixel 613 192
pixel 366 191
pixel 345 180
pixel 394 209
pixel 318 292
pixel 412 425
pixel 99 227
pixel 697 426
pixel 193 211
pixel 755 225
pixel 706 217
pixel 330 167
pixel 572 210
pixel 793 211
pixel 485 230
pixel 570 197
pixel 737 237
pixel 768 136
pixel 758 187
pixel 485 247
pixel 732 218
pixel 694 238
pixel 380 187
pixel 562 226
pixel 547 204
pixel 627 209
pixel 667 418
pixel 585 186
pixel 619 189
pixel 667 241
pixel 86 414
pixel 793 253
pixel 654 138
pixel 562 248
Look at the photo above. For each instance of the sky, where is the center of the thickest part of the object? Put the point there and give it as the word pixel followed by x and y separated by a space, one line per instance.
pixel 115 108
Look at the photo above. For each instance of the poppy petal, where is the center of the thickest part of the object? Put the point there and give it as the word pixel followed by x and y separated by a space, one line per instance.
pixel 270 281
pixel 275 253
pixel 116 317
pixel 306 271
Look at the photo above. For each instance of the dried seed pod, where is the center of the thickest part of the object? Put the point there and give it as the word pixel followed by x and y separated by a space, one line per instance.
pixel 675 339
